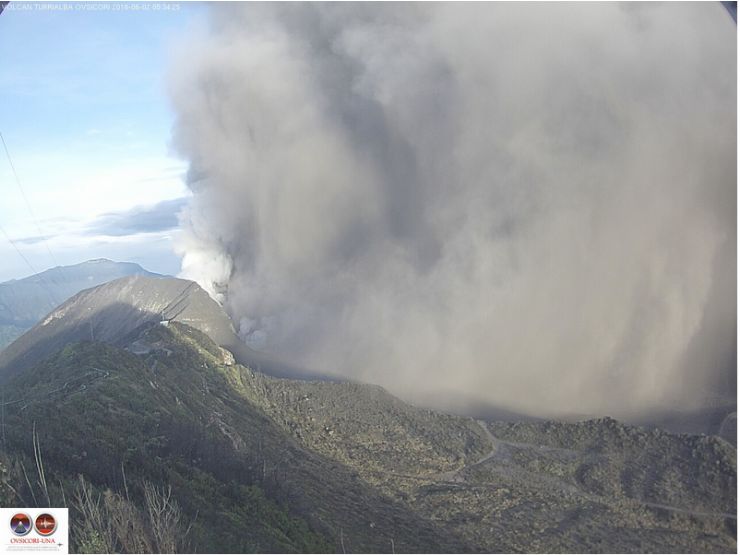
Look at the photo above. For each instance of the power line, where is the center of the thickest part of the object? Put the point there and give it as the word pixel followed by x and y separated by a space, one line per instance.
pixel 28 204
pixel 53 297
pixel 23 256
pixel 55 301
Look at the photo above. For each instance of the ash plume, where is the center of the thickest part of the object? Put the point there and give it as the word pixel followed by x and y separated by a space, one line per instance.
pixel 532 205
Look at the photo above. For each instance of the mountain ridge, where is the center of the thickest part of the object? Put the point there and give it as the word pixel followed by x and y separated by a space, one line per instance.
pixel 24 301
pixel 111 311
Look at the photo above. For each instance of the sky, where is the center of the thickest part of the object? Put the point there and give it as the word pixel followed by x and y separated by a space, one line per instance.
pixel 85 116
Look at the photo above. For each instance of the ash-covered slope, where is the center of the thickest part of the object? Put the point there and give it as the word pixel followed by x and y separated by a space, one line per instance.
pixel 294 465
pixel 23 302
pixel 592 486
pixel 111 312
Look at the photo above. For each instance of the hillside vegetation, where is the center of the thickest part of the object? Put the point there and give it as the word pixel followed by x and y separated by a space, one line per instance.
pixel 257 463
pixel 170 416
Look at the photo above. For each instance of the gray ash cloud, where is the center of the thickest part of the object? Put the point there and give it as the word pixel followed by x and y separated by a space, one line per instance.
pixel 530 204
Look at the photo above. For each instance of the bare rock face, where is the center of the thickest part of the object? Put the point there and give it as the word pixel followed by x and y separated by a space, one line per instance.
pixel 227 357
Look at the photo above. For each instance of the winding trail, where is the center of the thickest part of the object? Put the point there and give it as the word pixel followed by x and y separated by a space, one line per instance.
pixel 453 476
pixel 494 443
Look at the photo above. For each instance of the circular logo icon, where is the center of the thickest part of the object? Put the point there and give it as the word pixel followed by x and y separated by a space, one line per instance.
pixel 45 524
pixel 20 524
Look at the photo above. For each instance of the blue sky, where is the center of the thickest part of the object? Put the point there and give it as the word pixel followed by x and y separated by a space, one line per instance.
pixel 84 112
